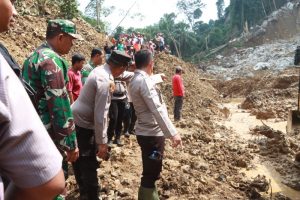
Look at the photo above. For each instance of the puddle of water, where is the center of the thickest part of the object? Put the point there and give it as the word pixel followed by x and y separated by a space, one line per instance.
pixel 271 174
pixel 240 121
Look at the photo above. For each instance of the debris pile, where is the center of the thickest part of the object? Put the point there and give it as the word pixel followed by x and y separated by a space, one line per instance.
pixel 255 187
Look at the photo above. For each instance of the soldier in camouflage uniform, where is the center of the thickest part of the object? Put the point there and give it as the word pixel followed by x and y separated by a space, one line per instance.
pixel 96 60
pixel 46 71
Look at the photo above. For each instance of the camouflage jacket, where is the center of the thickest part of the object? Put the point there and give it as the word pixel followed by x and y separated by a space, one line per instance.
pixel 86 70
pixel 46 72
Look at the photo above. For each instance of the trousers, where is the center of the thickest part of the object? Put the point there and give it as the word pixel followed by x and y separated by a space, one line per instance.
pixel 116 114
pixel 178 107
pixel 85 167
pixel 152 165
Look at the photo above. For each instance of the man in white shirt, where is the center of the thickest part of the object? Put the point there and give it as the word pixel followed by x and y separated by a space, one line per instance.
pixel 153 124
pixel 90 113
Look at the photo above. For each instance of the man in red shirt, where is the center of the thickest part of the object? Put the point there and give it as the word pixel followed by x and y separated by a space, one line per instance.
pixel 74 85
pixel 178 93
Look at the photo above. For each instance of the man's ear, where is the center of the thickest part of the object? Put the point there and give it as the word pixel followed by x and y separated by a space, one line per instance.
pixel 60 36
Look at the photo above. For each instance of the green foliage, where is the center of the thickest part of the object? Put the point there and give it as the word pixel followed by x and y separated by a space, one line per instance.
pixel 69 9
pixel 220 8
pixel 93 22
pixel 253 12
pixel 191 9
pixel 119 30
pixel 216 37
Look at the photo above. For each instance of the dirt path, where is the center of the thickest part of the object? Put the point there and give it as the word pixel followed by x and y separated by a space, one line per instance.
pixel 240 122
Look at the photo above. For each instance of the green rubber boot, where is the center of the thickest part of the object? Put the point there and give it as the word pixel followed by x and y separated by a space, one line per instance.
pixel 148 194
pixel 59 197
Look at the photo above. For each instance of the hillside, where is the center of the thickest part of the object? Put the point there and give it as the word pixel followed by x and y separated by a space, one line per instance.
pixel 30 31
pixel 281 24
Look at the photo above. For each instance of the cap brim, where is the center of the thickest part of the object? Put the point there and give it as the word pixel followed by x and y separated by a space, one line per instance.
pixel 76 36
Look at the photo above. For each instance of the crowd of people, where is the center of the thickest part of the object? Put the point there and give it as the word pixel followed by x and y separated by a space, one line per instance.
pixel 134 42
pixel 53 115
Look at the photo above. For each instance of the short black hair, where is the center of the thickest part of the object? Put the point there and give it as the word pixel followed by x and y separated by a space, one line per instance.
pixel 96 51
pixel 178 70
pixel 77 58
pixel 50 34
pixel 142 58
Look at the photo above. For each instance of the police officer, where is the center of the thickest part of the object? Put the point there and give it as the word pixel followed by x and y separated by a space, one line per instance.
pixel 153 124
pixel 91 118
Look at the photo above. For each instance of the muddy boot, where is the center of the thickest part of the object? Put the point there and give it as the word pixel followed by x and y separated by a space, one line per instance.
pixel 148 194
pixel 60 197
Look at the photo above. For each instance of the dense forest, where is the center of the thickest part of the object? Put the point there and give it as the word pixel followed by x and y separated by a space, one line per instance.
pixel 190 39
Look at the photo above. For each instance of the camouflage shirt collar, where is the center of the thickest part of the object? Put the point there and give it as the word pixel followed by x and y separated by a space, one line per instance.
pixel 47 45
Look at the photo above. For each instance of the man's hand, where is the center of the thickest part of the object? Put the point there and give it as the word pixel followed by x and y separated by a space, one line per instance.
pixel 102 151
pixel 176 140
pixel 72 155
pixel 163 77
pixel 71 98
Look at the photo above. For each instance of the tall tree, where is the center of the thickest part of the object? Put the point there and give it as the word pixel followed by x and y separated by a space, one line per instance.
pixel 220 8
pixel 263 6
pixel 95 10
pixel 274 3
pixel 191 9
pixel 166 24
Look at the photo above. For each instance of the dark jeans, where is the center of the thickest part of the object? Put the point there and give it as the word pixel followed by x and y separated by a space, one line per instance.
pixel 129 119
pixel 133 119
pixel 116 114
pixel 85 167
pixel 177 107
pixel 151 167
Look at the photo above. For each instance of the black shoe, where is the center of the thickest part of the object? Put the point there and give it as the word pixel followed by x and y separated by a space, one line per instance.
pixel 118 142
pixel 127 134
pixel 132 132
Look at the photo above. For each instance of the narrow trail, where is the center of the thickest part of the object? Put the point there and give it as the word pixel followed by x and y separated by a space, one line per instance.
pixel 240 122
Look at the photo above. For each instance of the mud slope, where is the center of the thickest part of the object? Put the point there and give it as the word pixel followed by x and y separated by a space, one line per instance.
pixel 30 31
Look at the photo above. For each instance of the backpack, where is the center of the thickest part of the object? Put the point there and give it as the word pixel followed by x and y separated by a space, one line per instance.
pixel 297 56
pixel 15 67
pixel 120 89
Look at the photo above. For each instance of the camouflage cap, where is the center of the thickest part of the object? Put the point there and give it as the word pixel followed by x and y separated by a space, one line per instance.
pixel 65 26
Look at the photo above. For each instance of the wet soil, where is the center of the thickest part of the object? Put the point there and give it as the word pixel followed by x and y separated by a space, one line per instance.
pixel 264 162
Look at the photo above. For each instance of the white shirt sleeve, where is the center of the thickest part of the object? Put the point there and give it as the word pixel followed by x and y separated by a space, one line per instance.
pixel 102 103
pixel 154 102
